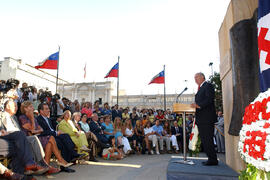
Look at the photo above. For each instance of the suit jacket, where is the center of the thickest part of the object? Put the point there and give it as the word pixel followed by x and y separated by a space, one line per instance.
pixel 204 98
pixel 96 128
pixel 116 113
pixel 173 130
pixel 46 129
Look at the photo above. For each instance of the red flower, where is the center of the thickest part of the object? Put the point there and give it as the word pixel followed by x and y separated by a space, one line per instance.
pixel 251 142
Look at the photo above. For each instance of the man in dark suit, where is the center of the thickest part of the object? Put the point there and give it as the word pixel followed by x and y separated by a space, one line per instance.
pixel 116 112
pixel 18 148
pixel 64 142
pixel 206 117
pixel 97 129
pixel 178 132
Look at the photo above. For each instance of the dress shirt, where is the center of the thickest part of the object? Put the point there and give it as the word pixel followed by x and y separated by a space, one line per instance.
pixel 158 129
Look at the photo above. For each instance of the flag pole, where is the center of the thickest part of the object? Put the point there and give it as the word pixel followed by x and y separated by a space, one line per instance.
pixel 57 69
pixel 164 90
pixel 118 81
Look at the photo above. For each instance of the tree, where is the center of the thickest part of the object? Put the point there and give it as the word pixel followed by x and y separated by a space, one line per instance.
pixel 215 80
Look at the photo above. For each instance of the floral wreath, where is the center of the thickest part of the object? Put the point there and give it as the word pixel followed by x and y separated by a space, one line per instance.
pixel 254 143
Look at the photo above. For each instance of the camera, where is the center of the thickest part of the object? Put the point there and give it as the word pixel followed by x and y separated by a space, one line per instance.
pixel 43 97
pixel 5 86
pixel 55 97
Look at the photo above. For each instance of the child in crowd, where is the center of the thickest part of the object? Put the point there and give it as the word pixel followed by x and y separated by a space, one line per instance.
pixel 112 153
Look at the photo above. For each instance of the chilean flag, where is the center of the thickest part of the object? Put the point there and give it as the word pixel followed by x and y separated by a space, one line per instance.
pixel 264 43
pixel 158 79
pixel 50 62
pixel 113 72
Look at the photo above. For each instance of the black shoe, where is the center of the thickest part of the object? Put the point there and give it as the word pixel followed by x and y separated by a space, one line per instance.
pixel 93 159
pixel 210 163
pixel 68 170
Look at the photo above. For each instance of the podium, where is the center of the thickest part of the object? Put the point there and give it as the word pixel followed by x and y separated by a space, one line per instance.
pixel 183 109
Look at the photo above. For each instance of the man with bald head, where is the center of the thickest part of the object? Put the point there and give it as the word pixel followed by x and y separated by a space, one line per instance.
pixel 206 117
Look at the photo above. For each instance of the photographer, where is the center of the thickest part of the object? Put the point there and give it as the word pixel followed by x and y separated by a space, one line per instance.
pixel 66 103
pixel 25 93
pixel 57 106
pixel 8 90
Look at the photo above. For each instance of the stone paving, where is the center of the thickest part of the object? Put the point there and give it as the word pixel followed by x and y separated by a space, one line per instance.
pixel 134 167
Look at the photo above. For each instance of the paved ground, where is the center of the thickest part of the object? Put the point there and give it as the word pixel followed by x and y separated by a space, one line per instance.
pixel 139 167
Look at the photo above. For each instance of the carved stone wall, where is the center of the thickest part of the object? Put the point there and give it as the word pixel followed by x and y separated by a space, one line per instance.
pixel 238 10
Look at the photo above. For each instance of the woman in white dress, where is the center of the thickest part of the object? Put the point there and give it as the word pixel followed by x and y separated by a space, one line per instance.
pixel 119 130
pixel 130 134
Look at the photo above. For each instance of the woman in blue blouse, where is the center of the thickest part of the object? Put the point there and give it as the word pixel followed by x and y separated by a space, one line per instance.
pixel 108 131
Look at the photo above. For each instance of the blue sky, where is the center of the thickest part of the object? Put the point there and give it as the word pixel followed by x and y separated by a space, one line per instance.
pixel 146 34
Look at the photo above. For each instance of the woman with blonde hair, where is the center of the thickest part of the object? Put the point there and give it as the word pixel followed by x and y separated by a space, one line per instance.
pixel 139 133
pixel 119 130
pixel 129 133
pixel 68 127
pixel 31 127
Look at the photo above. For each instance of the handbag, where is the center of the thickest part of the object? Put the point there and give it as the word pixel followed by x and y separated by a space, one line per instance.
pixel 193 139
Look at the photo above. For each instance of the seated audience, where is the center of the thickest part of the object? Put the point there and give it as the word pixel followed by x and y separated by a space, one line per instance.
pixel 10 125
pixel 144 120
pixel 168 134
pixel 108 127
pixel 160 136
pixel 64 142
pixel 129 133
pixel 106 110
pixel 119 130
pixel 30 127
pixel 150 135
pixel 82 126
pixel 139 133
pixel 112 152
pixel 97 129
pixel 134 117
pixel 125 115
pixel 16 146
pixel 79 139
pixel 87 109
pixel 177 131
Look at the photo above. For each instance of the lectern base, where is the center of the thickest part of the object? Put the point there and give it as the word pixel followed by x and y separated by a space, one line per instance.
pixel 188 162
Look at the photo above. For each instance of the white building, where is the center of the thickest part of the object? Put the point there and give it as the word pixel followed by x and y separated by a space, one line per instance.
pixel 152 101
pixel 87 91
pixel 15 68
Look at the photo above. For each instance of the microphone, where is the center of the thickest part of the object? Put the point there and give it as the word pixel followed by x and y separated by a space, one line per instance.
pixel 177 98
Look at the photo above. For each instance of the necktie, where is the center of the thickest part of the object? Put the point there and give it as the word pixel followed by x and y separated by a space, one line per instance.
pixel 13 122
pixel 199 87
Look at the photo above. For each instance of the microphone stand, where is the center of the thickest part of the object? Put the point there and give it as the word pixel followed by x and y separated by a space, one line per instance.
pixel 177 98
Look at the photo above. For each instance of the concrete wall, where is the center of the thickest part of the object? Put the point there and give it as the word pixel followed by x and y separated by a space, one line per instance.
pixel 237 10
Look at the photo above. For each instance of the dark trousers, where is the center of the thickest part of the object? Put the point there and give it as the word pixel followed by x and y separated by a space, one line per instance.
pixel 66 146
pixel 206 132
pixel 19 151
pixel 102 138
